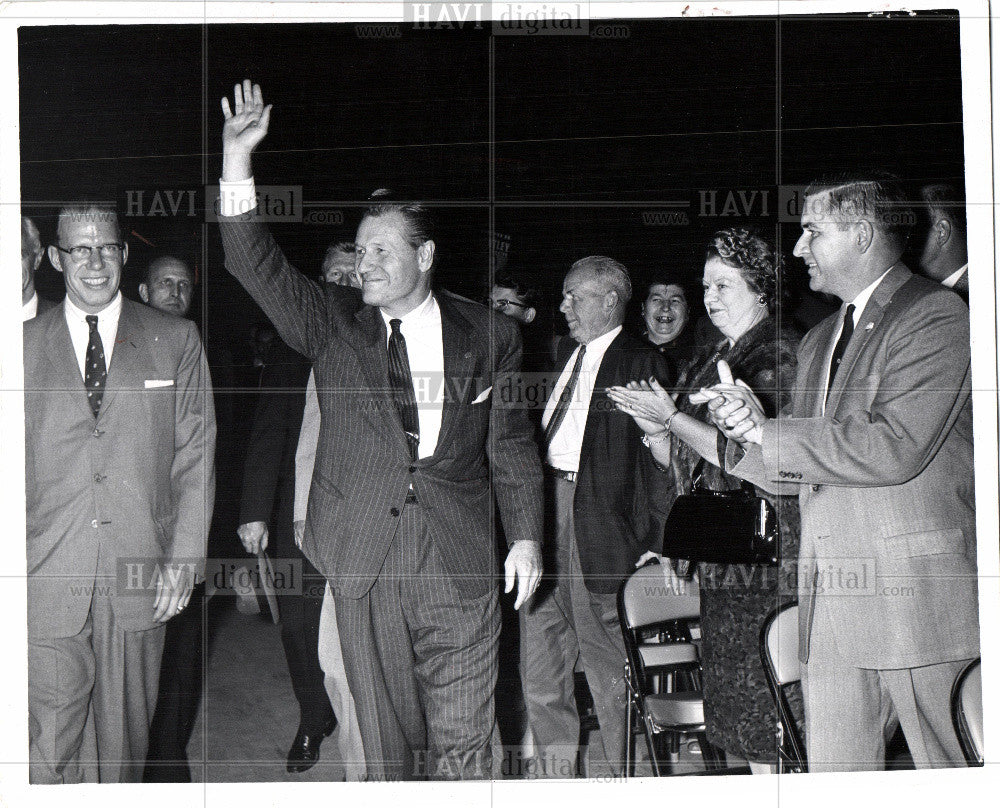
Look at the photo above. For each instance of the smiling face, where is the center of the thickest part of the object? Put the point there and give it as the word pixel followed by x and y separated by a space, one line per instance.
pixel 828 249
pixel 395 275
pixel 588 305
pixel 665 312
pixel 91 284
pixel 732 305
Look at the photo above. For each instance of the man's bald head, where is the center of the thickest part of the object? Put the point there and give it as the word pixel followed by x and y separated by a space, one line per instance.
pixel 168 286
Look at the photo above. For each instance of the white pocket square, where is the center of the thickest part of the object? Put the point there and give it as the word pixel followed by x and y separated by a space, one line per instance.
pixel 483 395
pixel 150 383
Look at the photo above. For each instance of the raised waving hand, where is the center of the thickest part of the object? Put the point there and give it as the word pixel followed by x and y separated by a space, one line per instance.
pixel 245 126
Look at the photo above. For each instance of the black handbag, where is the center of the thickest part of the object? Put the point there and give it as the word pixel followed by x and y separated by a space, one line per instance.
pixel 723 527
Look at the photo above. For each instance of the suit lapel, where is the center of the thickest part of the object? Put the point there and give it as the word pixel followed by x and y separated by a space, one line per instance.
pixel 130 344
pixel 59 349
pixel 369 342
pixel 867 326
pixel 459 364
pixel 605 378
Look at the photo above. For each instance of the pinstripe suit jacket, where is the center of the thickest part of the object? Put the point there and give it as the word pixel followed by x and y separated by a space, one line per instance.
pixel 884 479
pixel 363 468
pixel 136 484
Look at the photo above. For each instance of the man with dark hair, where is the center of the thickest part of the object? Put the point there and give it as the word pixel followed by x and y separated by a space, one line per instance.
pixel 605 498
pixel 877 442
pixel 945 254
pixel 31 257
pixel 119 434
pixel 400 512
pixel 168 285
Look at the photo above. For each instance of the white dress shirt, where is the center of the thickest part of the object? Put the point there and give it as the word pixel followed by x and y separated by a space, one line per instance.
pixel 564 450
pixel 29 309
pixel 859 304
pixel 79 331
pixel 952 279
pixel 421 329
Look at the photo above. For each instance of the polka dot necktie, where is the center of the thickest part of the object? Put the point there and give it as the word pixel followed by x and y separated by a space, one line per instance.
pixel 402 386
pixel 96 370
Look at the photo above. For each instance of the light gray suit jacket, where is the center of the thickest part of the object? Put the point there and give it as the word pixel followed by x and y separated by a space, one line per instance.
pixel 884 478
pixel 135 485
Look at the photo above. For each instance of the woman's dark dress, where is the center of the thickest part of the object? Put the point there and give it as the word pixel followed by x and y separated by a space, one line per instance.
pixel 735 599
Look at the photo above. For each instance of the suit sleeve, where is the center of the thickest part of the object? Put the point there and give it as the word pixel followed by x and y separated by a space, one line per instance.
pixel 295 304
pixel 192 474
pixel 305 453
pixel 915 400
pixel 512 451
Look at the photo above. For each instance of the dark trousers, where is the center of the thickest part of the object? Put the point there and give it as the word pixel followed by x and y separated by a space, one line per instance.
pixel 421 661
pixel 181 677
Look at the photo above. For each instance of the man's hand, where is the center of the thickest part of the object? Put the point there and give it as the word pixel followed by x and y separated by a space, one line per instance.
pixel 243 130
pixel 524 562
pixel 736 411
pixel 253 536
pixel 174 584
pixel 299 527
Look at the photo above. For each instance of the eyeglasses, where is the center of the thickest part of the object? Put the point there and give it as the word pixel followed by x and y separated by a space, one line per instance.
pixel 81 253
pixel 502 304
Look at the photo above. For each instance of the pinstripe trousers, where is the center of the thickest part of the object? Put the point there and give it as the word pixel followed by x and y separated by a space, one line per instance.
pixel 422 665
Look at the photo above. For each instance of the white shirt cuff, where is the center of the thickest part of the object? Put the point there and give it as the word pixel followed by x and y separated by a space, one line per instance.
pixel 237 197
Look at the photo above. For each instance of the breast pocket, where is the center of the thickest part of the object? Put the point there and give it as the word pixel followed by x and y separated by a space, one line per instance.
pixel 925 543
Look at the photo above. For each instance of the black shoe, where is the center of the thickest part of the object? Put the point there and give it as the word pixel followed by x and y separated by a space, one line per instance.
pixel 305 748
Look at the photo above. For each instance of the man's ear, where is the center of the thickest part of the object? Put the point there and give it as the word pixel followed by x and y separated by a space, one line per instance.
pixel 864 234
pixel 54 258
pixel 144 292
pixel 611 300
pixel 942 232
pixel 425 255
pixel 529 315
pixel 125 254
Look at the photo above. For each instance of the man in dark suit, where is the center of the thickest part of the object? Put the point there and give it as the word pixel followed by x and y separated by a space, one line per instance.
pixel 31 257
pixel 945 253
pixel 877 442
pixel 119 436
pixel 268 496
pixel 607 501
pixel 399 515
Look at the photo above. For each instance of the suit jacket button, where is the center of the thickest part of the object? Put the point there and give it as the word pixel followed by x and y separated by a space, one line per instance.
pixel 412 469
pixel 98 478
pixel 815 486
pixel 98 432
pixel 93 523
pixel 394 511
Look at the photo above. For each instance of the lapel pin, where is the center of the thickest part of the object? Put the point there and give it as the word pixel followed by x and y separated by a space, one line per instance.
pixel 869 327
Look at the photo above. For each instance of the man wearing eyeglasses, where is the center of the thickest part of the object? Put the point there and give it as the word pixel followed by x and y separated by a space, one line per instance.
pixel 119 446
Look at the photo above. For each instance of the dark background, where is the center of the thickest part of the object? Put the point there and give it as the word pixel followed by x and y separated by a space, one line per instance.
pixel 589 134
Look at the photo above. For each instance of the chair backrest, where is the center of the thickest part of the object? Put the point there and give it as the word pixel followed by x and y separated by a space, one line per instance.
pixel 781 644
pixel 967 711
pixel 646 600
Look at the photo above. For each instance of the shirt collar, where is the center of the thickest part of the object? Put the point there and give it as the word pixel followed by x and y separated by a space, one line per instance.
pixel 421 313
pixel 862 299
pixel 30 309
pixel 600 344
pixel 952 279
pixel 111 311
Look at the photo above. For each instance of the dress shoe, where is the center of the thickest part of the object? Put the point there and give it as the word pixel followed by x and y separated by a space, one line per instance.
pixel 305 748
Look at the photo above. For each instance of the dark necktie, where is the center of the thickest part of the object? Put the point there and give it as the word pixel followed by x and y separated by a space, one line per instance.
pixel 559 413
pixel 402 387
pixel 95 373
pixel 840 347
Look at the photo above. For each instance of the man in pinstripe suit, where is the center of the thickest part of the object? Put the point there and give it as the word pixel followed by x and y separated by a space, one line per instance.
pixel 399 520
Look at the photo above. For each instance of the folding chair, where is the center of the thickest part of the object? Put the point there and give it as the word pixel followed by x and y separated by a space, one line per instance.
pixel 656 630
pixel 967 711
pixel 779 652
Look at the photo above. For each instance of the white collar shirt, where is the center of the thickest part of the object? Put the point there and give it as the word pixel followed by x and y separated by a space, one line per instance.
pixel 859 304
pixel 29 309
pixel 952 279
pixel 421 328
pixel 79 331
pixel 564 448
